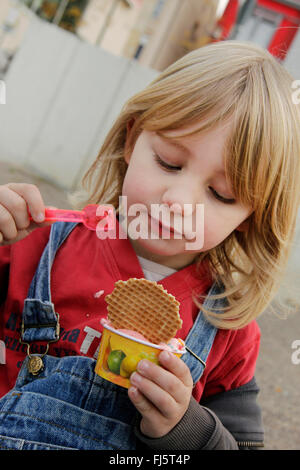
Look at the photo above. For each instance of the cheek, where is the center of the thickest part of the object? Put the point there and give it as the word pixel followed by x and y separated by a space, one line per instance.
pixel 212 237
pixel 135 186
pixel 217 228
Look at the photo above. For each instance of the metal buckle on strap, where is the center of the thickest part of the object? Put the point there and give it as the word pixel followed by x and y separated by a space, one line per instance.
pixel 195 355
pixel 47 325
pixel 35 362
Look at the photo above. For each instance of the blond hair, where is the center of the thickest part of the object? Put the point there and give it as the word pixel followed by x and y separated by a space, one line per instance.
pixel 243 82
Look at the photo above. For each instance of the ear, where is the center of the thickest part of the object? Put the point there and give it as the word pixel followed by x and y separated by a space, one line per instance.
pixel 127 147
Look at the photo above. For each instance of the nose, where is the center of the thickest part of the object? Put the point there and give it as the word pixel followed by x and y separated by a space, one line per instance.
pixel 181 199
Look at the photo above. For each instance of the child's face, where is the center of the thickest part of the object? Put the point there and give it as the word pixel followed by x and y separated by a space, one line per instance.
pixel 192 173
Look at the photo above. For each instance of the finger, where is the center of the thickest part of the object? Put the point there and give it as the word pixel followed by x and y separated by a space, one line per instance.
pixel 163 378
pixel 157 396
pixel 151 423
pixel 33 198
pixel 177 381
pixel 15 205
pixel 23 233
pixel 144 406
pixel 177 367
pixel 7 224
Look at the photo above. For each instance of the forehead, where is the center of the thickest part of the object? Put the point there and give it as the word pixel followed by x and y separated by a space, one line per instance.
pixel 196 130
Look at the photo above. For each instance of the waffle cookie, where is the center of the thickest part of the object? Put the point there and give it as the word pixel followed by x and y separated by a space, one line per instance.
pixel 145 307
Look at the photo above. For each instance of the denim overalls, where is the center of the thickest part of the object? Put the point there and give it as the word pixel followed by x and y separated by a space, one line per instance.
pixel 66 405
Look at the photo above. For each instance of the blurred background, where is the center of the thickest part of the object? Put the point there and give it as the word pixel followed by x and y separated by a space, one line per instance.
pixel 66 69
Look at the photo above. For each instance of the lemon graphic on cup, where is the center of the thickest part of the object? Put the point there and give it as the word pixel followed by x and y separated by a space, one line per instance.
pixel 129 365
pixel 114 360
pixel 151 356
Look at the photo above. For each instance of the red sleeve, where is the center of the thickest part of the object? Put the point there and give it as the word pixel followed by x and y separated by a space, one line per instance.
pixel 4 271
pixel 233 361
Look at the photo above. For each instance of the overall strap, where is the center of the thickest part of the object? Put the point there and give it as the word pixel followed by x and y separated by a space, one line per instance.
pixel 201 337
pixel 40 322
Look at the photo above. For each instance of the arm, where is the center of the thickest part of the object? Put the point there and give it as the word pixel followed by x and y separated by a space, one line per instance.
pixel 171 418
pixel 240 413
pixel 14 222
pixel 223 421
pixel 227 408
pixel 4 271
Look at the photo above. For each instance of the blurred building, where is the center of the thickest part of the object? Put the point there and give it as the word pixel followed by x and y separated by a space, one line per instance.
pixel 271 24
pixel 156 32
pixel 14 20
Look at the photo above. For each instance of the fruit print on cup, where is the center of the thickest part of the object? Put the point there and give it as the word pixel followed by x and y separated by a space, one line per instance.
pixel 119 355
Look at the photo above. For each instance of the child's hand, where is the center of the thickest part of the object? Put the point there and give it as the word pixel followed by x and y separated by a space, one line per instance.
pixel 161 394
pixel 14 218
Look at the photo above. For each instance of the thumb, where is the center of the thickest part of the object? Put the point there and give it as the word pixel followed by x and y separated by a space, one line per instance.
pixel 23 233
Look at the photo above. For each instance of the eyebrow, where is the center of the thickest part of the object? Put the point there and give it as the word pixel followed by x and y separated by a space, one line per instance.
pixel 174 143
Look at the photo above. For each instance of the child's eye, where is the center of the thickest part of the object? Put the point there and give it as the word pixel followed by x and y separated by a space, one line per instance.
pixel 221 198
pixel 166 165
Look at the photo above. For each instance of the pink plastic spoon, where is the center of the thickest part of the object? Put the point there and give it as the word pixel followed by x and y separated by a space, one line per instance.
pixel 90 216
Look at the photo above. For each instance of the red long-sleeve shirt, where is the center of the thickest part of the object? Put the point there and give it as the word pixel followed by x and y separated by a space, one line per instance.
pixel 84 271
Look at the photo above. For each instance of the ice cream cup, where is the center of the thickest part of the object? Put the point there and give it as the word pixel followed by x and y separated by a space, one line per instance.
pixel 119 355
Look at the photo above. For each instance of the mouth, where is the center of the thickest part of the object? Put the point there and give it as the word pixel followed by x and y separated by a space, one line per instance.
pixel 165 230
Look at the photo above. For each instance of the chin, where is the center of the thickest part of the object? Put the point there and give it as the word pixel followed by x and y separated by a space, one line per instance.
pixel 160 247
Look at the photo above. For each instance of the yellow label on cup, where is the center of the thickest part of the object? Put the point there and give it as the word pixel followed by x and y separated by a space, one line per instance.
pixel 119 356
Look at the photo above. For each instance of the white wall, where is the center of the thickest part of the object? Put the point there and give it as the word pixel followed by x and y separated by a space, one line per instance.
pixel 62 96
pixel 292 60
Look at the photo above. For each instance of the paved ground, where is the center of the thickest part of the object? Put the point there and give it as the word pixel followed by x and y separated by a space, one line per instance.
pixel 278 377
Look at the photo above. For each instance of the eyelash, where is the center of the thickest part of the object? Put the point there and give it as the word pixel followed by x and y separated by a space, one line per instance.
pixel 221 198
pixel 165 165
pixel 171 168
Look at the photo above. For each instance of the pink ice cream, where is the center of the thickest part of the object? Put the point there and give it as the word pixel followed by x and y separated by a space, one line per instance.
pixel 175 344
pixel 132 333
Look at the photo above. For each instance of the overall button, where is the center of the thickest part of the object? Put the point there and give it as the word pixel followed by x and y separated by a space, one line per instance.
pixel 35 365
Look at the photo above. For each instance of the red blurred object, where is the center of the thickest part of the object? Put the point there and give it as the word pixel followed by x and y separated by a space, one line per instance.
pixel 283 38
pixel 279 7
pixel 286 31
pixel 284 34
pixel 228 20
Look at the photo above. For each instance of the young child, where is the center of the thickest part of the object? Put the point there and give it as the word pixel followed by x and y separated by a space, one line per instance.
pixel 218 128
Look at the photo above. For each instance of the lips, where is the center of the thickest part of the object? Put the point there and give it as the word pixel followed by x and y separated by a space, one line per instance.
pixel 164 229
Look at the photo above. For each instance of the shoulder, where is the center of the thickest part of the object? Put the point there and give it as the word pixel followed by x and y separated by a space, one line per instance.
pixel 231 362
pixel 231 344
